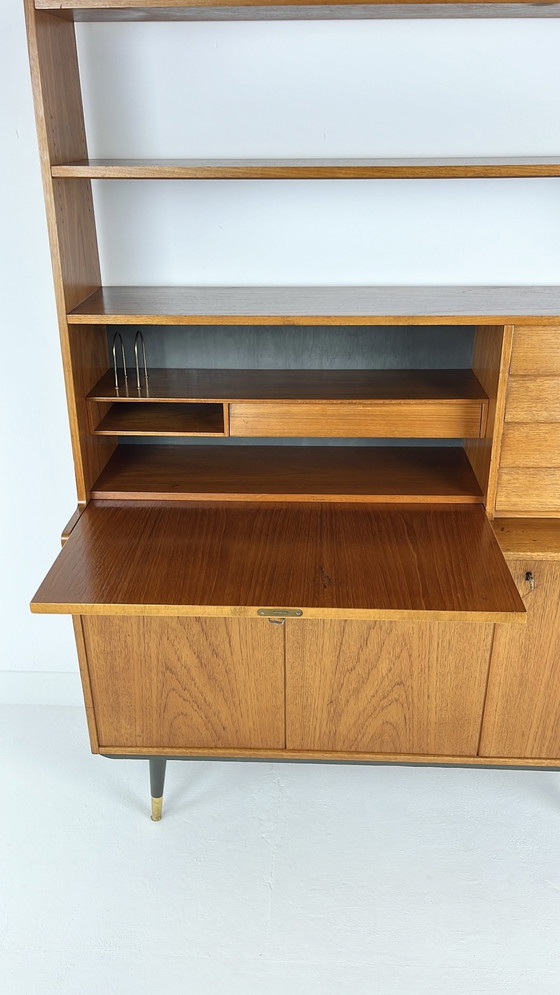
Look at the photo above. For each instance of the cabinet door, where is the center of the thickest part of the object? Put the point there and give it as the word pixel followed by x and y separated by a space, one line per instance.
pixel 186 683
pixel 386 687
pixel 522 714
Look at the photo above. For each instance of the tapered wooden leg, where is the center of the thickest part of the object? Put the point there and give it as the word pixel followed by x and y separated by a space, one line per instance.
pixel 157 780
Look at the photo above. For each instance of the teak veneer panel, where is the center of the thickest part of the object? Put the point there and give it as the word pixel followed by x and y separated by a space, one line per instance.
pixel 73 240
pixel 528 538
pixel 178 10
pixel 432 562
pixel 490 361
pixel 288 169
pixel 412 688
pixel 290 473
pixel 162 419
pixel 533 399
pixel 327 386
pixel 522 713
pixel 319 305
pixel 531 445
pixel 526 489
pixel 536 351
pixel 186 682
pixel 403 420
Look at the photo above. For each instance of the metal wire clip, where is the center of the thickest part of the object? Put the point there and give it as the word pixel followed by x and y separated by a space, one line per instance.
pixel 117 337
pixel 139 340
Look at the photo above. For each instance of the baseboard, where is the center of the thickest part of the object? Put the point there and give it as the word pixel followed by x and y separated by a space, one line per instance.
pixel 40 688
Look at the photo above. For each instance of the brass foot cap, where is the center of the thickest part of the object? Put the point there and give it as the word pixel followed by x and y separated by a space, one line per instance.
pixel 157 804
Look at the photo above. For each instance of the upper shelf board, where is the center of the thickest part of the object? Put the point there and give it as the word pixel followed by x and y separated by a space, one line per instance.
pixel 296 386
pixel 319 306
pixel 271 10
pixel 309 169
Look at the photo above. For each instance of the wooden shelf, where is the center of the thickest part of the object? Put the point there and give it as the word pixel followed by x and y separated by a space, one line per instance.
pixel 320 386
pixel 318 306
pixel 417 474
pixel 429 404
pixel 253 10
pixel 528 538
pixel 433 562
pixel 309 169
pixel 162 419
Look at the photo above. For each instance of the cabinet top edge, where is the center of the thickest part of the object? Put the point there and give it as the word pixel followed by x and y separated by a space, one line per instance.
pixel 253 10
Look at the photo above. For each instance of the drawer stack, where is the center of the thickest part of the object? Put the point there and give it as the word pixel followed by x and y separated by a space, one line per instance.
pixel 529 474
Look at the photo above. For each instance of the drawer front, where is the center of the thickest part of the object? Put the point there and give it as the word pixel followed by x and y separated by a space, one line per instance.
pixel 533 399
pixel 536 350
pixel 531 445
pixel 528 489
pixel 453 420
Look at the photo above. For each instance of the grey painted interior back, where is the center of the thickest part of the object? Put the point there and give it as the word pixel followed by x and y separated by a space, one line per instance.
pixel 310 347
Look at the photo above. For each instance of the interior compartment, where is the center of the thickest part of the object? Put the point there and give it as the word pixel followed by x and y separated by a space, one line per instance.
pixel 405 406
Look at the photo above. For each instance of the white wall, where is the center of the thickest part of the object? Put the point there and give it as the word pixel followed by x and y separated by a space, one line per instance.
pixel 362 88
pixel 37 494
pixel 345 88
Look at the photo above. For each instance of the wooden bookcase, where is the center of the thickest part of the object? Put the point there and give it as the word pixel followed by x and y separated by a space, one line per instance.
pixel 347 601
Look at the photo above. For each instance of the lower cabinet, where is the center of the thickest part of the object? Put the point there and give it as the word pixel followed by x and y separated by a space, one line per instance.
pixel 522 714
pixel 305 685
pixel 333 686
pixel 386 687
pixel 180 683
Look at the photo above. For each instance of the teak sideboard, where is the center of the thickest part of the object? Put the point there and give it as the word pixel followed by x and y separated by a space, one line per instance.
pixel 237 593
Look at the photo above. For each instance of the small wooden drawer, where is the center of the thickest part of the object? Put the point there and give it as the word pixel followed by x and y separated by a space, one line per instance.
pixel 533 399
pixel 529 489
pixel 535 350
pixel 531 445
pixel 446 420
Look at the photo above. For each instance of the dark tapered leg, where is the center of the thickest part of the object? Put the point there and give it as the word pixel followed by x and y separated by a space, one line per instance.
pixel 157 780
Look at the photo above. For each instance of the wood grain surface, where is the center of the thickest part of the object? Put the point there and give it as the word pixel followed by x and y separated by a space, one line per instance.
pixel 490 360
pixel 162 419
pixel 290 473
pixel 397 419
pixel 531 445
pixel 536 350
pixel 522 714
pixel 73 240
pixel 61 133
pixel 319 305
pixel 528 538
pixel 314 168
pixel 527 489
pixel 533 399
pixel 330 560
pixel 86 683
pixel 321 386
pixel 178 10
pixel 187 682
pixel 385 687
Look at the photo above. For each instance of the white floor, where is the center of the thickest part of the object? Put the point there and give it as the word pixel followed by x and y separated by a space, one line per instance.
pixel 267 879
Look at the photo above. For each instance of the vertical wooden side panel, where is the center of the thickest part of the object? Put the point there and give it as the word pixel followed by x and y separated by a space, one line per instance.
pixel 491 357
pixel 61 131
pixel 86 684
pixel 88 363
pixel 522 712
pixel 71 223
pixel 386 687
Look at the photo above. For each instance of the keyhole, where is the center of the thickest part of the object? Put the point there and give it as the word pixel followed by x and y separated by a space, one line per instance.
pixel 530 580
